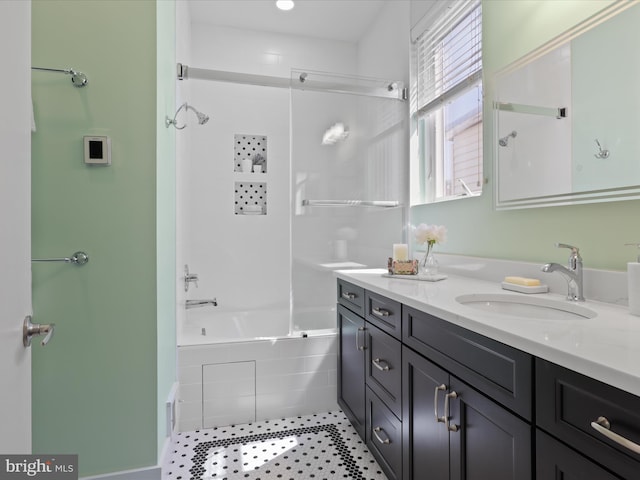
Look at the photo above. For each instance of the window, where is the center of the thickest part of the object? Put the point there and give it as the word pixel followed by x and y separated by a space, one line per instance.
pixel 447 94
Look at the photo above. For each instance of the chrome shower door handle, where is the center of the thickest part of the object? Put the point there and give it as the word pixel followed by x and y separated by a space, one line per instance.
pixel 30 330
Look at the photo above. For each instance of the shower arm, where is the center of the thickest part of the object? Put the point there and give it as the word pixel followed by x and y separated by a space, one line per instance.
pixel 174 122
pixel 202 118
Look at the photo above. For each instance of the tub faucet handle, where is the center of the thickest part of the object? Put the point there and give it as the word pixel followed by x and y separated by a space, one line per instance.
pixel 189 277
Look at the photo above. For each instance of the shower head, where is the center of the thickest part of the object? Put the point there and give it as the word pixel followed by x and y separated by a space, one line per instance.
pixel 202 118
pixel 504 141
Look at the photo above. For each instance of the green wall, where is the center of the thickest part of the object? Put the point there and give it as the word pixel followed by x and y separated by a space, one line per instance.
pixel 510 30
pixel 166 208
pixel 95 385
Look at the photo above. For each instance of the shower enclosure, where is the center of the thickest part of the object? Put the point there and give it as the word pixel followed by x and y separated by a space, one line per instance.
pixel 290 180
pixel 265 241
pixel 347 151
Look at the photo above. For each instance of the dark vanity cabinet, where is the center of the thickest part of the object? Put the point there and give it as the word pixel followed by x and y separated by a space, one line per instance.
pixel 351 350
pixel 435 401
pixel 369 372
pixel 451 430
pixel 576 413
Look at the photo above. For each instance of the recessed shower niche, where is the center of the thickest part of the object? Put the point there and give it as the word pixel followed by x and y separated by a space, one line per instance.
pixel 250 153
pixel 251 198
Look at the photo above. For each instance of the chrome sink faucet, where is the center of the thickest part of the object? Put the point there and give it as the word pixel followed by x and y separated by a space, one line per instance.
pixel 573 273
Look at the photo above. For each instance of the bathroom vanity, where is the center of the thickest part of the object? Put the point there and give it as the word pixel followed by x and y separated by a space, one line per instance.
pixel 440 389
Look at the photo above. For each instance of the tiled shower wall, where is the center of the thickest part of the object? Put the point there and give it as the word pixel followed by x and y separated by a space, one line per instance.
pixel 244 260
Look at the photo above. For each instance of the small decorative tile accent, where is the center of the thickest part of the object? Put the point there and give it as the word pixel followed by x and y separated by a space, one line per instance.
pixel 319 446
pixel 250 148
pixel 250 198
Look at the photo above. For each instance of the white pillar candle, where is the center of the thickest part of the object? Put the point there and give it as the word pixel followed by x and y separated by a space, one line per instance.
pixel 401 252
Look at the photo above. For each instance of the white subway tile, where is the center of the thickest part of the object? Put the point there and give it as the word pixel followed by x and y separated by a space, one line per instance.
pixel 191 392
pixel 190 374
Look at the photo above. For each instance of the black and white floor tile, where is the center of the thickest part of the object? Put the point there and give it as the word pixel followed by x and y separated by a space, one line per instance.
pixel 320 446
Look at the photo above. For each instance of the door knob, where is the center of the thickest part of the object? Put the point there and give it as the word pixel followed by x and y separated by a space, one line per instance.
pixel 30 330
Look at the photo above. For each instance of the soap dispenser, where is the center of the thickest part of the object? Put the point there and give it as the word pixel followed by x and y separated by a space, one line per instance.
pixel 633 281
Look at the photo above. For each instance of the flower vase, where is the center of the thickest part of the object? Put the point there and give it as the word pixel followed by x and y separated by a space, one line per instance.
pixel 428 265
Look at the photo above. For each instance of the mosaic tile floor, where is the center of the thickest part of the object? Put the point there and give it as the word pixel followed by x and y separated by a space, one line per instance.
pixel 321 446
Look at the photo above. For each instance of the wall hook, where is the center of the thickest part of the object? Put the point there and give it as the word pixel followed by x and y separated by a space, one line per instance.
pixel 602 152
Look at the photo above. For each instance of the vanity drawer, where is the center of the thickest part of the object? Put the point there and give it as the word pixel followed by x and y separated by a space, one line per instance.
pixel 501 372
pixel 384 368
pixel 384 436
pixel 384 313
pixel 351 296
pixel 566 405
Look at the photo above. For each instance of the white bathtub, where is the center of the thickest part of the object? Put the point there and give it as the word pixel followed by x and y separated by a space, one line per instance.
pixel 239 367
pixel 205 325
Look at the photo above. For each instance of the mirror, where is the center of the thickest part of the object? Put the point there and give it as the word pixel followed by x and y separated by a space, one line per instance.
pixel 566 117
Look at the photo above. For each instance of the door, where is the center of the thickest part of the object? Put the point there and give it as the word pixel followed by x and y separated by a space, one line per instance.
pixel 425 438
pixel 351 368
pixel 15 225
pixel 488 441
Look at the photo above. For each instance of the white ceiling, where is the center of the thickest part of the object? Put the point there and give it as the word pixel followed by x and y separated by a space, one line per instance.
pixel 345 20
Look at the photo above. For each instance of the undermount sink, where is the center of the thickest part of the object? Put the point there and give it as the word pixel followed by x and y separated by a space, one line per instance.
pixel 526 306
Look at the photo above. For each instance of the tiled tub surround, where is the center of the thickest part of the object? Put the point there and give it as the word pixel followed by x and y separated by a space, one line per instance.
pixel 606 348
pixel 237 379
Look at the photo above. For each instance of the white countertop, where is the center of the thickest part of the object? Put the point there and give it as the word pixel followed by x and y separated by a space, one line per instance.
pixel 606 347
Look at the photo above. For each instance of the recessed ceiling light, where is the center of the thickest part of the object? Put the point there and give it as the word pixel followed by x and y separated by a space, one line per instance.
pixel 285 4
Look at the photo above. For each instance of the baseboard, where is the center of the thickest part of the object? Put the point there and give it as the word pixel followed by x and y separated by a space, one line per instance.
pixel 149 473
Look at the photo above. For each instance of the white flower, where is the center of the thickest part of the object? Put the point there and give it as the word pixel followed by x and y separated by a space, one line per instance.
pixel 430 234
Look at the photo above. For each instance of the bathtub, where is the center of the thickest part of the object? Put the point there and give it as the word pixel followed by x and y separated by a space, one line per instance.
pixel 245 366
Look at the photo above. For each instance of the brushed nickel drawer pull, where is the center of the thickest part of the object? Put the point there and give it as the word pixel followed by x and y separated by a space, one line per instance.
pixel 602 425
pixel 381 312
pixel 383 368
pixel 439 388
pixel 451 427
pixel 348 295
pixel 358 347
pixel 385 441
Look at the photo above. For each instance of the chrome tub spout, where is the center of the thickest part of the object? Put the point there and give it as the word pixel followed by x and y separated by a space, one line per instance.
pixel 201 303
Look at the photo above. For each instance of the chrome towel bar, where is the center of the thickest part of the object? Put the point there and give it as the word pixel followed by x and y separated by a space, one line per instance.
pixel 78 258
pixel 351 203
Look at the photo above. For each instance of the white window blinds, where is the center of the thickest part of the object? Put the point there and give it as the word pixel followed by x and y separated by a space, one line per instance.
pixel 449 55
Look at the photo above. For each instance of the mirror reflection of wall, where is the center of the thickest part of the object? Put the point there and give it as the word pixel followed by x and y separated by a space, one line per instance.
pixel 592 154
pixel 606 104
pixel 529 165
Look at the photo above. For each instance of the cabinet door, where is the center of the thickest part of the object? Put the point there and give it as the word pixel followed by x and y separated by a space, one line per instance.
pixel 488 442
pixel 425 440
pixel 556 461
pixel 351 371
